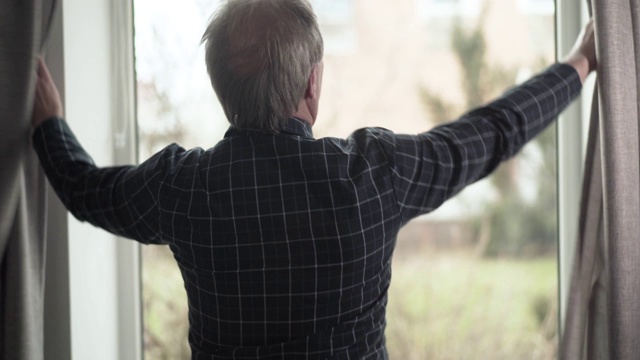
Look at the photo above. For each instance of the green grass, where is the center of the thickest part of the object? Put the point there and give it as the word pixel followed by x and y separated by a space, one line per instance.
pixel 443 306
pixel 458 307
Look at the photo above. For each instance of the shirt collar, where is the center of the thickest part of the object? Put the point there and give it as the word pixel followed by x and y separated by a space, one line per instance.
pixel 293 126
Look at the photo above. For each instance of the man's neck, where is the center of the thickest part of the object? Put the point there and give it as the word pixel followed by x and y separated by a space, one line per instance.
pixel 304 114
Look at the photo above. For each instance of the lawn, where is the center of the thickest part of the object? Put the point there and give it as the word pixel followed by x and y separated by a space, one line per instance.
pixel 457 307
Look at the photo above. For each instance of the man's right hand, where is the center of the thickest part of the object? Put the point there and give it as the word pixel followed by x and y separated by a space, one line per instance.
pixel 583 54
pixel 47 101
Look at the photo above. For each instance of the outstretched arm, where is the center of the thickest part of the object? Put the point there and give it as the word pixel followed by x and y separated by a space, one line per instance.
pixel 122 200
pixel 430 168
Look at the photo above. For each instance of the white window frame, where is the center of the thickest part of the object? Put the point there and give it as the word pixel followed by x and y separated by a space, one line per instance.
pixel 92 291
pixel 573 126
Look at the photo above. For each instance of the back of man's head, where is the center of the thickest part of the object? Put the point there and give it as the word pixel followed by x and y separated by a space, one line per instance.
pixel 260 55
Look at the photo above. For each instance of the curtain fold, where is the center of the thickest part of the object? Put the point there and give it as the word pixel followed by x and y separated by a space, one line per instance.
pixel 23 24
pixel 586 277
pixel 603 313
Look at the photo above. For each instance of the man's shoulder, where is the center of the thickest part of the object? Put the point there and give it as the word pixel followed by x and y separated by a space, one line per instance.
pixel 172 158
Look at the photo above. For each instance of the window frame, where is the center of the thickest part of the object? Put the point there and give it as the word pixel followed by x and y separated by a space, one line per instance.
pixel 92 280
pixel 572 132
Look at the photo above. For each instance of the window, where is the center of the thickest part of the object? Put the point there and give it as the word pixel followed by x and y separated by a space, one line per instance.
pixel 537 7
pixel 438 17
pixel 475 279
pixel 430 9
pixel 337 24
pixel 175 104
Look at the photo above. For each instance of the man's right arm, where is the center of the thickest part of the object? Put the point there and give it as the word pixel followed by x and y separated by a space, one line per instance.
pixel 122 200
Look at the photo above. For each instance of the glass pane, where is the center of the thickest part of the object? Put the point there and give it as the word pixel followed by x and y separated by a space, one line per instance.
pixel 475 279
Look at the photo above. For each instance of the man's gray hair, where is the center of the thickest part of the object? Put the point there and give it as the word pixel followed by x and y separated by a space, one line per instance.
pixel 260 55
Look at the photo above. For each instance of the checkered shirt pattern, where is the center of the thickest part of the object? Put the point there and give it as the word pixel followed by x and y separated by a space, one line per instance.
pixel 285 241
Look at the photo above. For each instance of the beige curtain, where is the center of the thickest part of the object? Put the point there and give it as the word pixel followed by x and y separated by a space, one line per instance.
pixel 23 26
pixel 603 313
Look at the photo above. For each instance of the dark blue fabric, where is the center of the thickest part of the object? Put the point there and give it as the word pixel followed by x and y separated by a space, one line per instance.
pixel 285 241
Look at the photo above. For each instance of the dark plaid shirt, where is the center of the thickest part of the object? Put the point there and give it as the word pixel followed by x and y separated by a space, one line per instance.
pixel 285 241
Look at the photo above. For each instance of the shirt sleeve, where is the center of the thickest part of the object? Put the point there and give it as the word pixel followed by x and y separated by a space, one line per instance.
pixel 122 200
pixel 431 167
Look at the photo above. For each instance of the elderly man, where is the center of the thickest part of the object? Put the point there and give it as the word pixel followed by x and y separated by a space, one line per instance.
pixel 285 241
